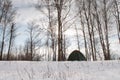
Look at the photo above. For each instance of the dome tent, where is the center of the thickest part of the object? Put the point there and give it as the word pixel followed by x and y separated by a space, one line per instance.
pixel 76 56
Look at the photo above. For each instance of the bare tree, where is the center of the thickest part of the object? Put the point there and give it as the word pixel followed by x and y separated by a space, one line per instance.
pixel 77 36
pixel 87 13
pixel 82 22
pixel 61 6
pixel 51 30
pixel 106 28
pixel 56 7
pixel 34 39
pixel 66 45
pixel 12 37
pixel 51 27
pixel 92 18
pixel 117 16
pixel 6 19
pixel 102 18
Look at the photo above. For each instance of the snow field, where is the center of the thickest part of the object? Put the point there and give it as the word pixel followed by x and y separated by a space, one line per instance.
pixel 25 70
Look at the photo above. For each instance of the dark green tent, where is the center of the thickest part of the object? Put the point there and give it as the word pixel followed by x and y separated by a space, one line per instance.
pixel 76 56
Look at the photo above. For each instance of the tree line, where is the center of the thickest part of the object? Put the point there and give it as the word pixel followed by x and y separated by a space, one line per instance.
pixel 94 19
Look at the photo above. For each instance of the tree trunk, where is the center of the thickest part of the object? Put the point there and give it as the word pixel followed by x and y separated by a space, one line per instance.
pixel 117 18
pixel 59 5
pixel 3 41
pixel 78 42
pixel 10 41
pixel 107 56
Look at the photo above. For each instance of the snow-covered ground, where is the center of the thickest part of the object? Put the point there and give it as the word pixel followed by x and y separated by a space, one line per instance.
pixel 23 70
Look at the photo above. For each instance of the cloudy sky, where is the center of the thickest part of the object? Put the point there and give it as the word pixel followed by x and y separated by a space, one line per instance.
pixel 25 13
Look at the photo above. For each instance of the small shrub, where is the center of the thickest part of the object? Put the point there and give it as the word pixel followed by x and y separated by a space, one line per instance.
pixel 76 56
